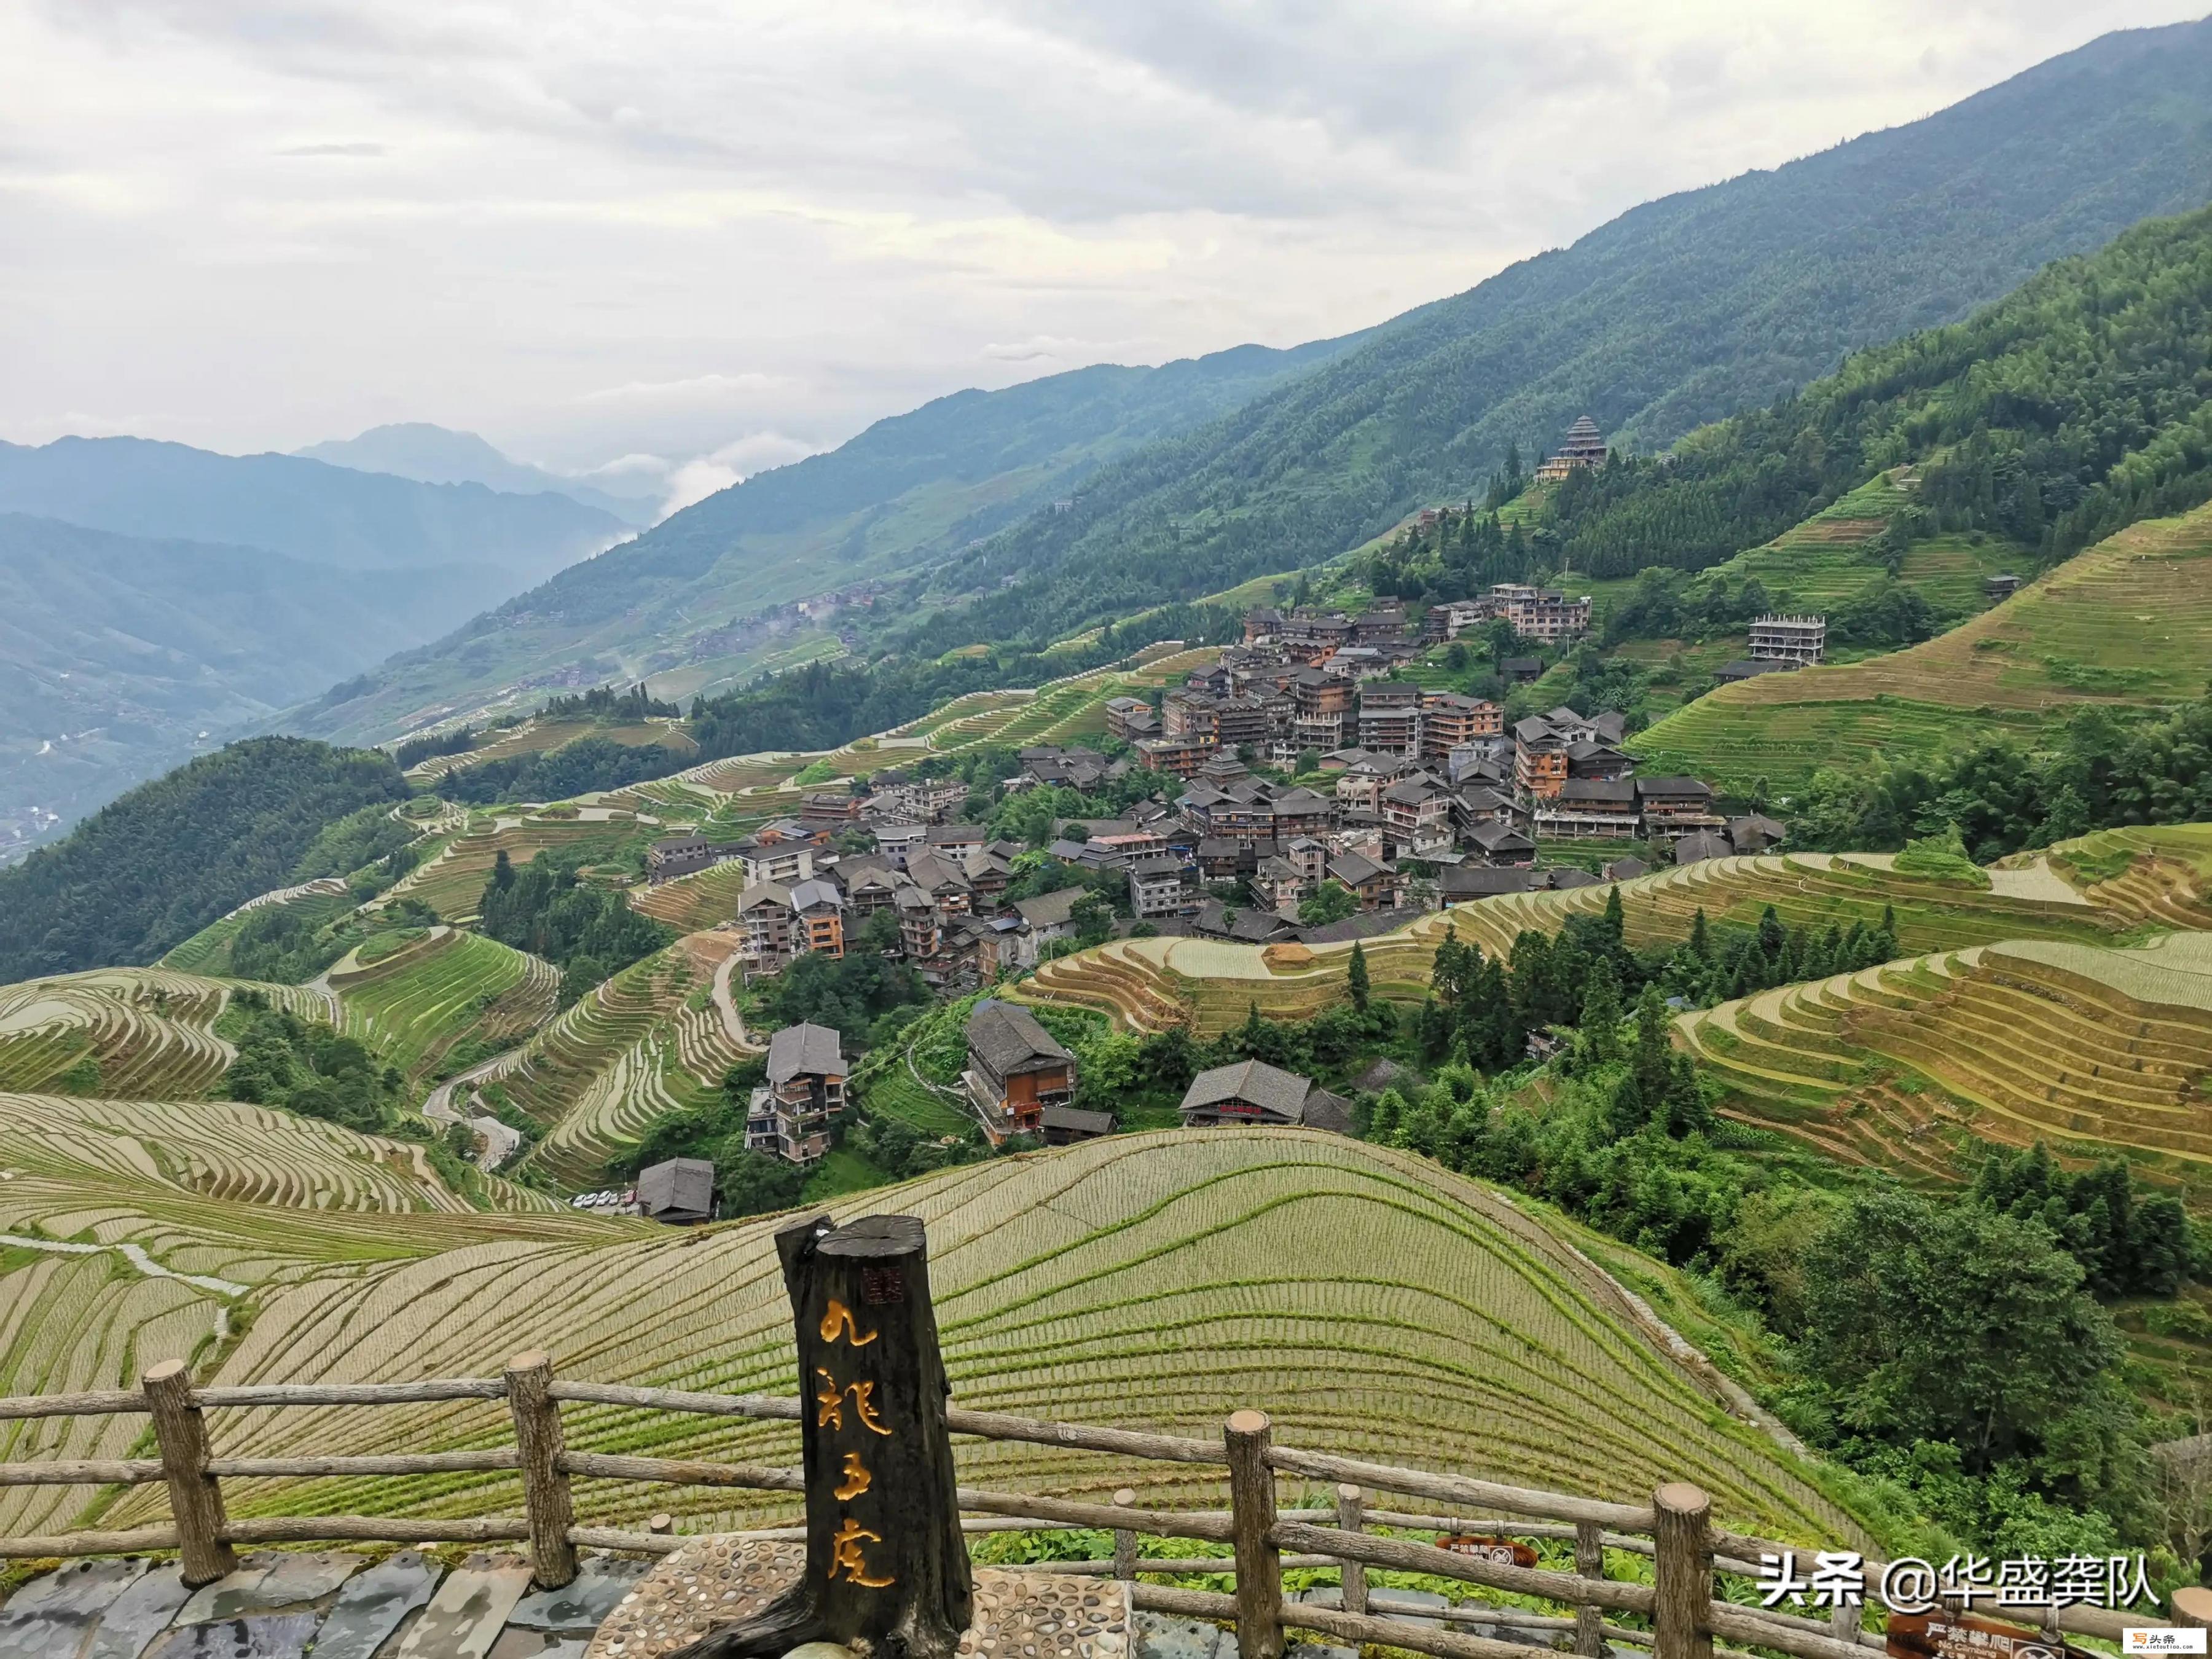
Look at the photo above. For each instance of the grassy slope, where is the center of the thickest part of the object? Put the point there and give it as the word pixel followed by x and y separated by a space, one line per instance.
pixel 1371 1303
pixel 2129 622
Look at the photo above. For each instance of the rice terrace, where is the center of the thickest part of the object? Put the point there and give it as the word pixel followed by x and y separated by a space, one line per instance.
pixel 1530 975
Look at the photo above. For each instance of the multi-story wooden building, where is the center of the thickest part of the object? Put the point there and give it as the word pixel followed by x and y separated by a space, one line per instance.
pixel 1015 1068
pixel 790 1115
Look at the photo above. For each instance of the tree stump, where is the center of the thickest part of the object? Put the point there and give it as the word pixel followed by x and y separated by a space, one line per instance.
pixel 885 1560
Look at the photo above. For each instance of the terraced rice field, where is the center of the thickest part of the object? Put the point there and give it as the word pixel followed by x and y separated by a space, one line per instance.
pixel 133 1232
pixel 1373 1303
pixel 2129 622
pixel 648 1042
pixel 453 883
pixel 535 737
pixel 1147 984
pixel 693 902
pixel 435 991
pixel 150 1032
pixel 2093 1049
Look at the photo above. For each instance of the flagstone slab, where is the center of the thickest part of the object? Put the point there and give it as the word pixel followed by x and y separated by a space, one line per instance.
pixel 372 1604
pixel 301 1578
pixel 583 1604
pixel 87 1588
pixel 264 1636
pixel 230 1597
pixel 142 1613
pixel 463 1619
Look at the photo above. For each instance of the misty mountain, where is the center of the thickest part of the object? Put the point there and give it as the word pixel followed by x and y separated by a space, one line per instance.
pixel 121 656
pixel 909 490
pixel 327 515
pixel 436 454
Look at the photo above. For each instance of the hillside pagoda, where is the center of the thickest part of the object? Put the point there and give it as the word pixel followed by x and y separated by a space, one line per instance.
pixel 1585 448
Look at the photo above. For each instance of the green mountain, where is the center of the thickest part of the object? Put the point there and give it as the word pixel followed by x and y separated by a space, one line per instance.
pixel 121 658
pixel 436 454
pixel 154 867
pixel 327 515
pixel 2074 406
pixel 674 603
pixel 1675 314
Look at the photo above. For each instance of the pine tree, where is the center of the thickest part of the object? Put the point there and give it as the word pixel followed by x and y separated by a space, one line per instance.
pixel 1648 1062
pixel 1701 944
pixel 1616 924
pixel 1357 977
pixel 1601 1020
pixel 1772 935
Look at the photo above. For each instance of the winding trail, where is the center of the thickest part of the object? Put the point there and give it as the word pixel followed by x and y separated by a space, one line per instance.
pixel 733 1024
pixel 130 1253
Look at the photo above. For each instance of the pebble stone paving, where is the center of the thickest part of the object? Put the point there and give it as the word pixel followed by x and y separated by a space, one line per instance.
pixel 723 1580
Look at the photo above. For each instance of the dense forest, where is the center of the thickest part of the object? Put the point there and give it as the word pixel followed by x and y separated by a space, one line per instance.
pixel 586 932
pixel 2102 772
pixel 153 867
pixel 1680 313
pixel 2073 407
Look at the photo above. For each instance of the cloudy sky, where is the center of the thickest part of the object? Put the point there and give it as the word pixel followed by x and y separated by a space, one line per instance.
pixel 692 238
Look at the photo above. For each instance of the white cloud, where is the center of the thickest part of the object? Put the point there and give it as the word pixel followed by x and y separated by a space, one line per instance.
pixel 700 477
pixel 650 227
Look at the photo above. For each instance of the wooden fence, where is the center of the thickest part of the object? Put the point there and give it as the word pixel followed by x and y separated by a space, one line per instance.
pixel 1674 1530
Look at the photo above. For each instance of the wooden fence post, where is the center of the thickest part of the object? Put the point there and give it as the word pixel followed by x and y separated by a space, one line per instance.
pixel 1589 1562
pixel 194 1497
pixel 1845 1622
pixel 1352 1516
pixel 1252 1518
pixel 1125 1540
pixel 2191 1607
pixel 1683 1564
pixel 545 1497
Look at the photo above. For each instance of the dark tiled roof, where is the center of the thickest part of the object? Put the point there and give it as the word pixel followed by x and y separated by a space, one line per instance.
pixel 1612 792
pixel 681 1186
pixel 1472 881
pixel 1005 1037
pixel 1049 910
pixel 1253 1081
pixel 815 1050
pixel 1069 1121
pixel 1353 868
pixel 1690 849
pixel 1647 787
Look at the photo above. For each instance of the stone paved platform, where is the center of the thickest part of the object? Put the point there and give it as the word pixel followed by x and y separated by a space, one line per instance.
pixel 723 1580
pixel 336 1605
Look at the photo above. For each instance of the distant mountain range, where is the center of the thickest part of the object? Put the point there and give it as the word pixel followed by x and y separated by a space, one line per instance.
pixel 155 591
pixel 120 657
pixel 1045 508
pixel 436 454
pixel 907 492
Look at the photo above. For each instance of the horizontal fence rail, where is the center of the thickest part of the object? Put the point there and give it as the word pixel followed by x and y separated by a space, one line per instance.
pixel 1681 1616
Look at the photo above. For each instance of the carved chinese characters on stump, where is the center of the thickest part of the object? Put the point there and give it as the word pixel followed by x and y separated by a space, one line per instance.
pixel 885 1562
